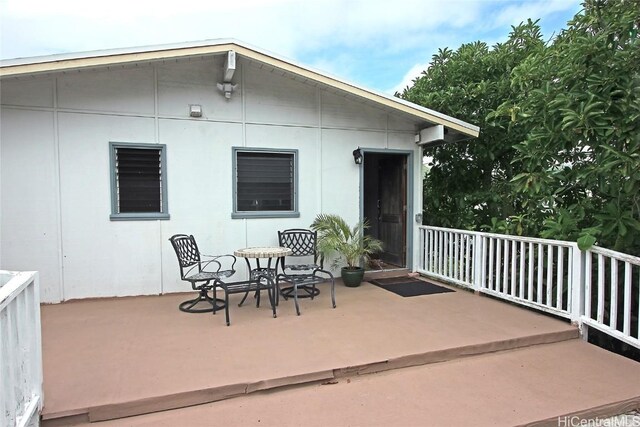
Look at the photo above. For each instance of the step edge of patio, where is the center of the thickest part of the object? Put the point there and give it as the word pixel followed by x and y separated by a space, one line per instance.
pixel 208 395
pixel 599 412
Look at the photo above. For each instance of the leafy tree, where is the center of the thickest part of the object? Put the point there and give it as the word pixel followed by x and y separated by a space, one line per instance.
pixel 469 184
pixel 580 100
pixel 559 151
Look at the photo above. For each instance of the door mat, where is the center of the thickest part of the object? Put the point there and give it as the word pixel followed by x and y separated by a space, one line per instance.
pixel 409 287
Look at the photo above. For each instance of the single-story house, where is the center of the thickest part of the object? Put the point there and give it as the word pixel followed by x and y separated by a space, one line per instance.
pixel 232 144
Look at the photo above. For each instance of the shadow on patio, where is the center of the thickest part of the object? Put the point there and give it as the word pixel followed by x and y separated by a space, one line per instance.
pixel 111 358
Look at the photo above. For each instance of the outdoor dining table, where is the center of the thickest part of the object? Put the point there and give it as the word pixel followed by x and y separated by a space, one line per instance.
pixel 272 255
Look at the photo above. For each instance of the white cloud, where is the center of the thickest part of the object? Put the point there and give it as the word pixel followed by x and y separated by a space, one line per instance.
pixel 378 39
pixel 413 73
pixel 66 25
pixel 519 12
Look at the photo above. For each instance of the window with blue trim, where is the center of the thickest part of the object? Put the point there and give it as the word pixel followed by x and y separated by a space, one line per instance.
pixel 265 183
pixel 138 181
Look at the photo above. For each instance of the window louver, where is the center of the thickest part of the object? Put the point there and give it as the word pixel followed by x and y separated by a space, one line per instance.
pixel 138 180
pixel 265 181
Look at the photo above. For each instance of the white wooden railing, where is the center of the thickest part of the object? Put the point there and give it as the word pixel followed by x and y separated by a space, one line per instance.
pixel 612 303
pixel 21 396
pixel 549 275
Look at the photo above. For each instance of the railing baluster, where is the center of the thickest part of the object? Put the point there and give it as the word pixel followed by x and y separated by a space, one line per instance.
pixel 549 301
pixel 441 253
pixel 421 249
pixel 450 256
pixel 445 250
pixel 498 265
pixel 600 317
pixel 491 260
pixel 434 264
pixel 530 283
pixel 426 261
pixel 468 260
pixel 505 285
pixel 540 271
pixel 22 369
pixel 485 250
pixel 587 284
pixel 434 248
pixel 430 238
pixel 513 268
pixel 560 281
pixel 626 328
pixel 613 307
pixel 521 281
pixel 456 256
pixel 10 375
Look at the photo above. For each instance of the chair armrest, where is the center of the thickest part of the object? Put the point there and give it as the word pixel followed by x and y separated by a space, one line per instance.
pixel 202 267
pixel 217 258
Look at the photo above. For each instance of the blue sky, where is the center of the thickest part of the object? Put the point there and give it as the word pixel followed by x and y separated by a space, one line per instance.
pixel 379 44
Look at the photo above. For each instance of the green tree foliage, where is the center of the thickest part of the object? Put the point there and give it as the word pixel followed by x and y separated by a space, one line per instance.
pixel 468 184
pixel 559 154
pixel 580 98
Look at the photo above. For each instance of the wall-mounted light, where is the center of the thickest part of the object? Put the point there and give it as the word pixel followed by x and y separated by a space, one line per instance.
pixel 195 110
pixel 227 89
pixel 357 156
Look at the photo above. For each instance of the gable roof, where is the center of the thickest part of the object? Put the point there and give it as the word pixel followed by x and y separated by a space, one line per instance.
pixel 104 58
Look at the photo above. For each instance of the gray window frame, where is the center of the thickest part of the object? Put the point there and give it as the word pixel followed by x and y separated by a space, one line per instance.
pixel 264 214
pixel 141 216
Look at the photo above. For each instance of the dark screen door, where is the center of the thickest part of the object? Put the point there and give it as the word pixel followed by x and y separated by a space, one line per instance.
pixel 392 208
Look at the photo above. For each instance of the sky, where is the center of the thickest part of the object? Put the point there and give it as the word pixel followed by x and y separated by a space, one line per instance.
pixel 379 44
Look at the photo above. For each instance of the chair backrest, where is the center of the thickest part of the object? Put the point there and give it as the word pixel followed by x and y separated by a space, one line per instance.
pixel 302 242
pixel 186 251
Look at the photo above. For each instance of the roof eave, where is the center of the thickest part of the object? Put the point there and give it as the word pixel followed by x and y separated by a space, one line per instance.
pixel 64 62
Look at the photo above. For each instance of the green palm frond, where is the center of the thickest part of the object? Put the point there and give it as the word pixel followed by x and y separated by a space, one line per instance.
pixel 350 243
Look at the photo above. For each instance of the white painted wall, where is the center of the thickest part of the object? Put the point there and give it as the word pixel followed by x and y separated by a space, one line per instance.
pixel 54 170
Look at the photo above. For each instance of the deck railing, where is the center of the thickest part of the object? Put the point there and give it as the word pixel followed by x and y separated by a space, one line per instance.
pixel 612 302
pixel 21 396
pixel 549 275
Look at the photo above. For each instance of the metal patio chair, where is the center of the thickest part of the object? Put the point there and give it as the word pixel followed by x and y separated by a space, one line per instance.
pixel 302 277
pixel 200 270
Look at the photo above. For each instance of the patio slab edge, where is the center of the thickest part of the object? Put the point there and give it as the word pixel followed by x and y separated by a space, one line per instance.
pixel 213 394
pixel 600 413
pixel 198 397
pixel 162 403
pixel 438 356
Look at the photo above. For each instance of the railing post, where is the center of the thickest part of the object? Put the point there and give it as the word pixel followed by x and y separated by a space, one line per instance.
pixel 577 291
pixel 478 262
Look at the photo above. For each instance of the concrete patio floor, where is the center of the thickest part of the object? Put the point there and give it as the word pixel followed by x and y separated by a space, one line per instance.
pixel 111 358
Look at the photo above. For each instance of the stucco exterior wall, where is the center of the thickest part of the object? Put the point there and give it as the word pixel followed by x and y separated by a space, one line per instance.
pixel 55 190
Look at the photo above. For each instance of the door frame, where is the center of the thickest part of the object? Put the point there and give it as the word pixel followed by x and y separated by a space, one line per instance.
pixel 409 196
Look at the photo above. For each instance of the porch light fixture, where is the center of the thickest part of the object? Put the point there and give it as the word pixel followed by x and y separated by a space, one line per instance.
pixel 357 156
pixel 227 89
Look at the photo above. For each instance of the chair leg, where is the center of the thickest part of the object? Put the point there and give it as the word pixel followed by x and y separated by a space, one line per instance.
pixel 203 296
pixel 333 292
pixel 226 306
pixel 258 289
pixel 272 296
pixel 277 291
pixel 295 297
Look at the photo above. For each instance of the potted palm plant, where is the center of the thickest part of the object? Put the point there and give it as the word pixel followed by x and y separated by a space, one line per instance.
pixel 349 243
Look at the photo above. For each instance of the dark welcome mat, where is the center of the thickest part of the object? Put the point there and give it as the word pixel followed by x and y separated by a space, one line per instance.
pixel 409 287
